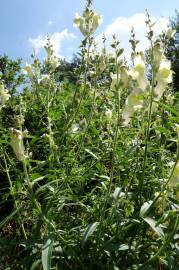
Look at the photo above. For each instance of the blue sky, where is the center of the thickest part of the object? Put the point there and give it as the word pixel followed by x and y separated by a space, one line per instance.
pixel 23 23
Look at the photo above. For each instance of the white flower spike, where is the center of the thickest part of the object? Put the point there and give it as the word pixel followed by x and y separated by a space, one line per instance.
pixel 17 143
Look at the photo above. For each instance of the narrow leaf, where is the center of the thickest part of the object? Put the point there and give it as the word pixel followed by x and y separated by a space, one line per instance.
pixel 91 153
pixel 145 208
pixel 47 253
pixel 152 224
pixel 89 231
pixel 35 264
pixel 4 221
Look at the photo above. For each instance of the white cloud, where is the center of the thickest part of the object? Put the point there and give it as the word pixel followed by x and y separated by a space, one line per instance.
pixel 56 38
pixel 121 26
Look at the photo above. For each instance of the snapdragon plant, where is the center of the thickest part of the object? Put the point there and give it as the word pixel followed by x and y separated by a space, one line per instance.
pixel 92 166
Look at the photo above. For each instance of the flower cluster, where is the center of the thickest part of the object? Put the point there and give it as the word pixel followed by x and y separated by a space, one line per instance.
pixel 33 72
pixel 163 72
pixel 134 102
pixel 141 86
pixel 88 23
pixel 4 95
pixel 52 61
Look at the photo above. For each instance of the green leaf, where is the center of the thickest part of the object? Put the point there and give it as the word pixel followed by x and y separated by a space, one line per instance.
pixel 35 264
pixel 116 193
pixel 47 253
pixel 152 224
pixel 145 208
pixel 89 231
pixel 38 179
pixel 47 186
pixel 4 221
pixel 91 153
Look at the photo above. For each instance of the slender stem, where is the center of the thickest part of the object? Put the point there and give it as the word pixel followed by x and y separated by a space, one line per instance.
pixel 146 145
pixel 70 122
pixel 30 187
pixel 35 202
pixel 12 193
pixel 114 144
pixel 147 131
pixel 89 118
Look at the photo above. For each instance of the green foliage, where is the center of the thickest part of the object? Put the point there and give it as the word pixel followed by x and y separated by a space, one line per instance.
pixel 173 50
pixel 10 73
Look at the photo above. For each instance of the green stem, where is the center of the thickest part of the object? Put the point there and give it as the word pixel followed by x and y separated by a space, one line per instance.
pixel 12 193
pixel 147 132
pixel 71 120
pixel 146 146
pixel 36 204
pixel 114 147
pixel 89 118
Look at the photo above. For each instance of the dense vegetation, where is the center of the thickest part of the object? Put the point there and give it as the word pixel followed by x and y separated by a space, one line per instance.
pixel 89 157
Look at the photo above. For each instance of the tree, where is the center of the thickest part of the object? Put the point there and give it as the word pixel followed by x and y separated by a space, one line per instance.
pixel 10 73
pixel 173 50
pixel 66 70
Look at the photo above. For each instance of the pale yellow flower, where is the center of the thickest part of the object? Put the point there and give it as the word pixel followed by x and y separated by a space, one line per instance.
pixel 54 62
pixel 133 103
pixel 17 143
pixel 79 22
pixel 165 72
pixel 44 78
pixel 139 64
pixel 138 73
pixel 28 71
pixel 4 95
pixel 164 77
pixel 94 21
pixel 157 54
pixel 124 76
